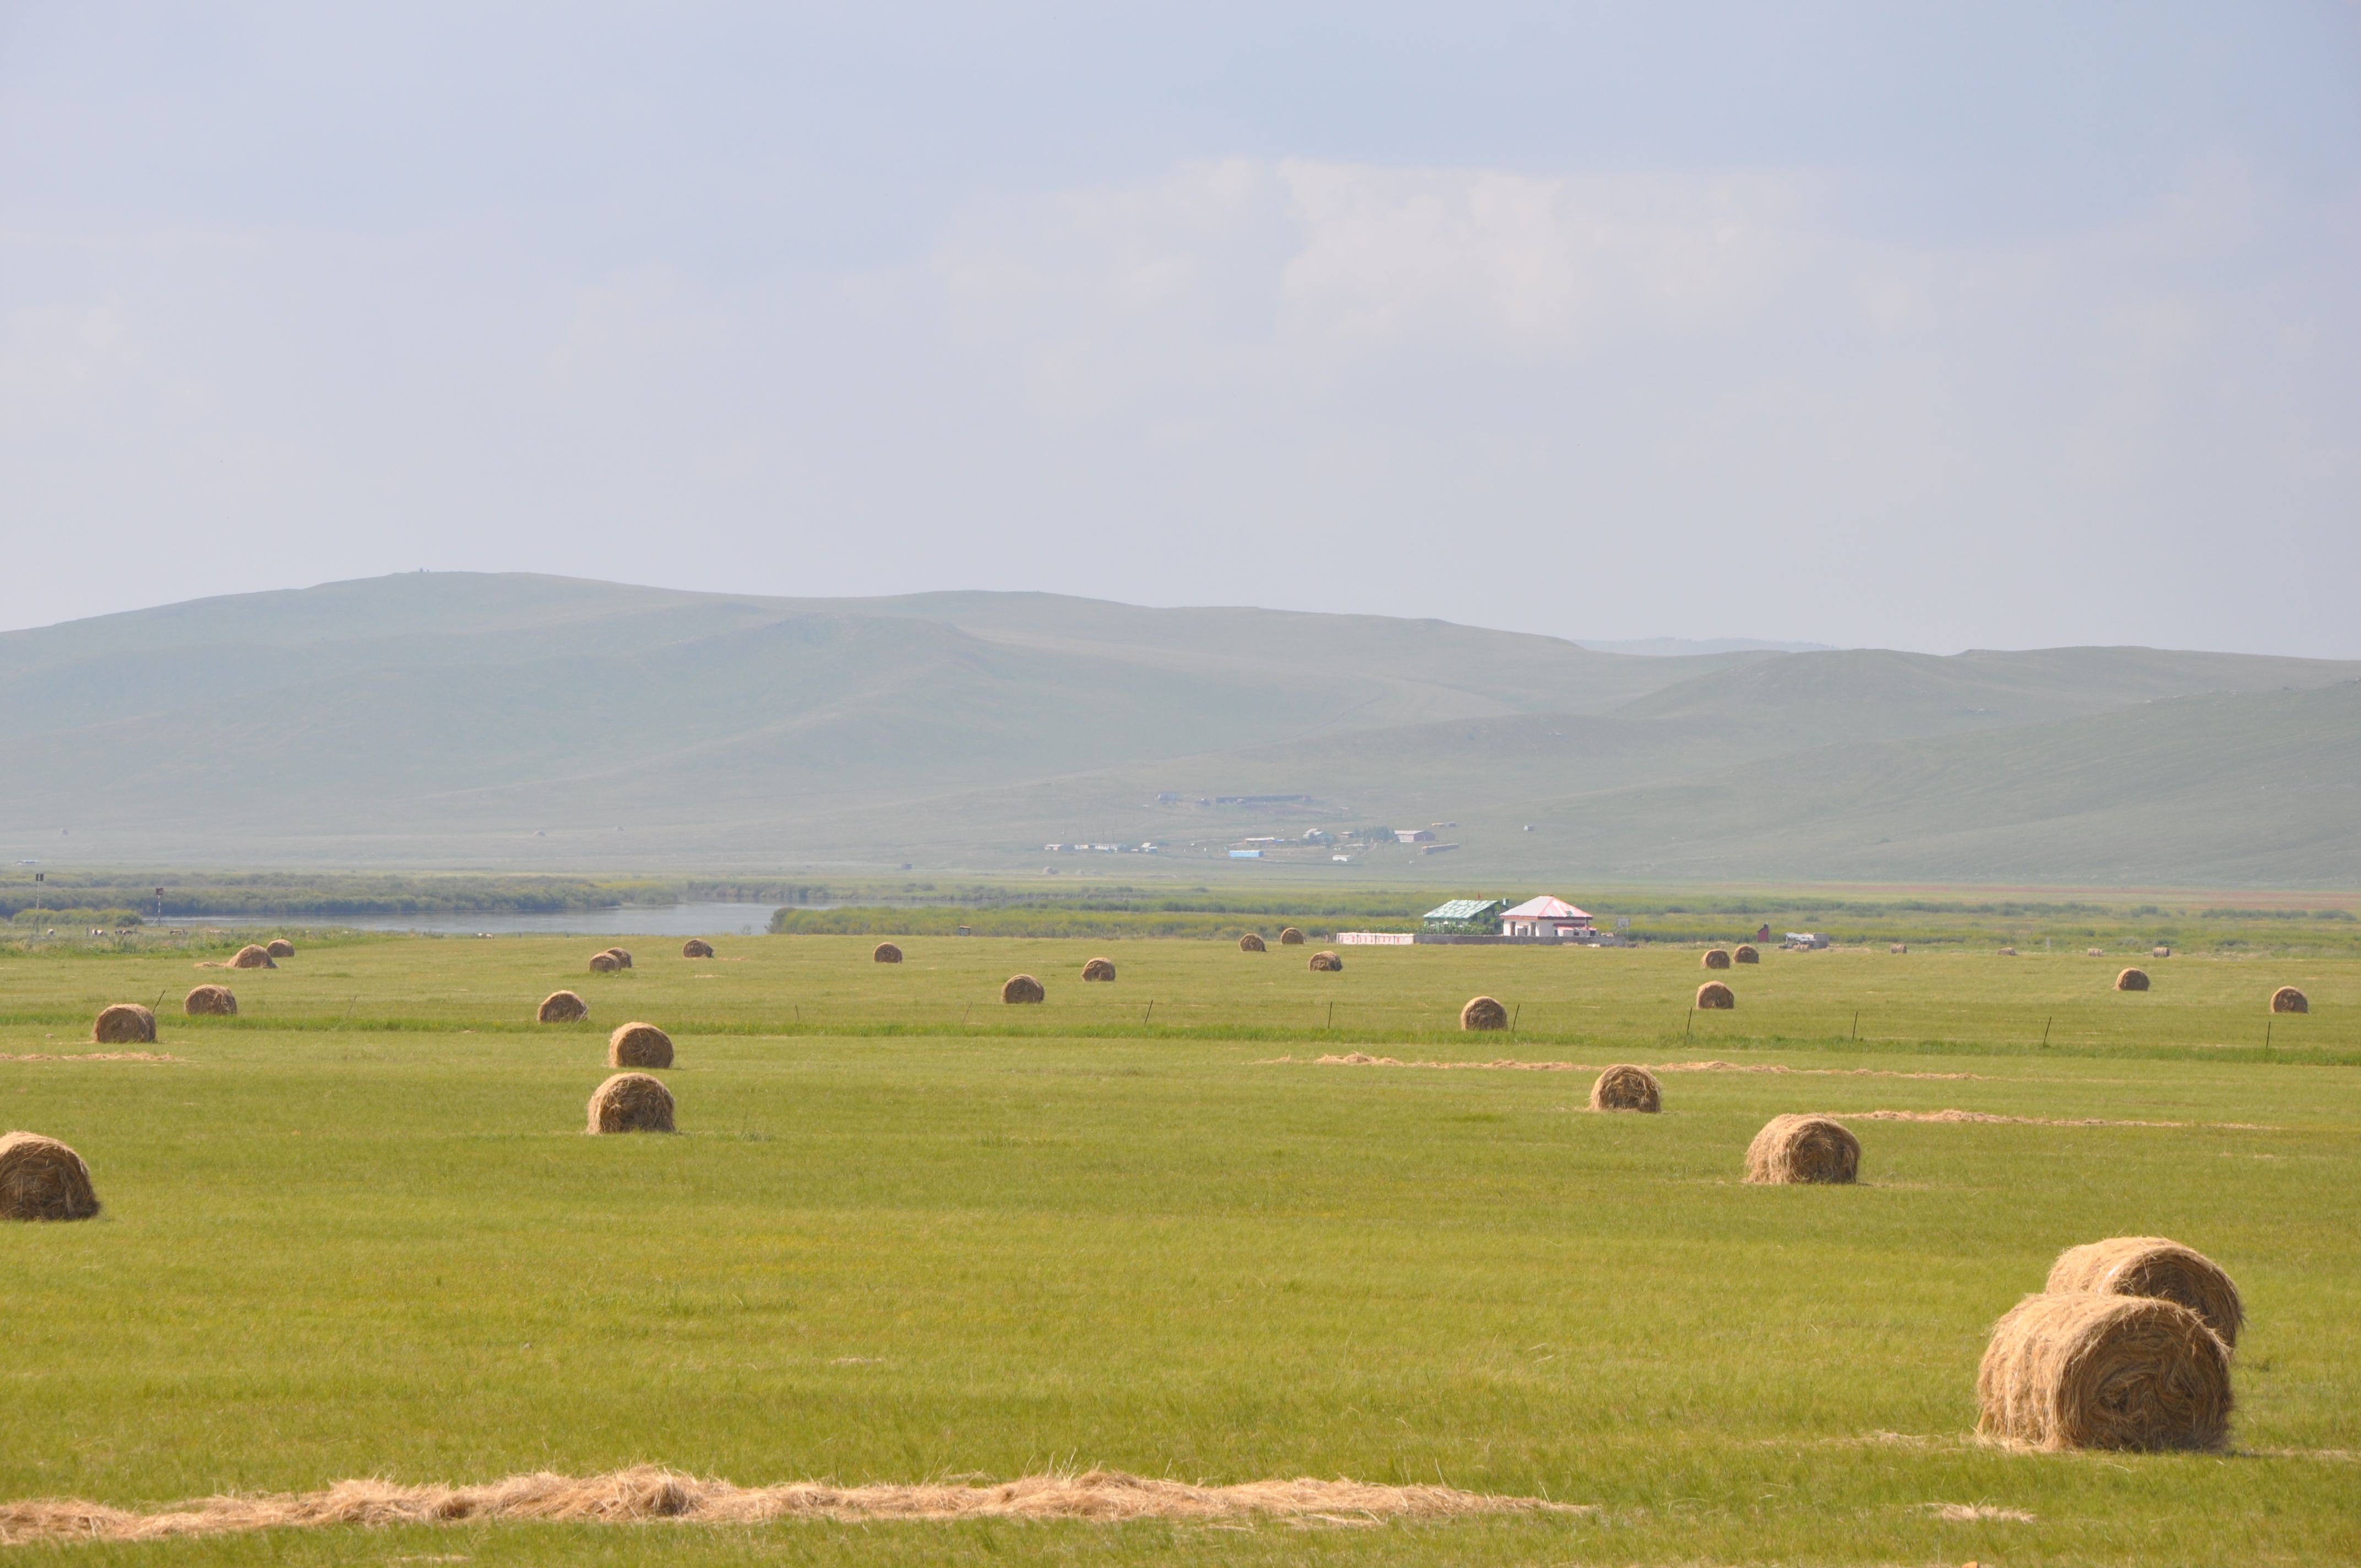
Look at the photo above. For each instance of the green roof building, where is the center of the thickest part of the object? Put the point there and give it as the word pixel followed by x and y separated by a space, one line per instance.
pixel 1468 917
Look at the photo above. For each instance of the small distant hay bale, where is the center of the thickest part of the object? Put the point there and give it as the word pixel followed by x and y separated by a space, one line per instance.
pixel 886 953
pixel 639 1044
pixel 563 1007
pixel 2132 980
pixel 280 948
pixel 1803 1149
pixel 2159 952
pixel 125 1024
pixel 1099 969
pixel 1627 1088
pixel 2113 1371
pixel 697 948
pixel 2288 999
pixel 1899 947
pixel 2095 952
pixel 1716 957
pixel 621 956
pixel 1291 938
pixel 41 1178
pixel 252 956
pixel 1483 1012
pixel 1745 953
pixel 1325 962
pixel 1022 988
pixel 605 963
pixel 1251 943
pixel 631 1103
pixel 210 1000
pixel 2153 1265
pixel 2008 952
pixel 1715 996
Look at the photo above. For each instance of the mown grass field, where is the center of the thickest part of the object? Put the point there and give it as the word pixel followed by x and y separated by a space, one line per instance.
pixel 909 1232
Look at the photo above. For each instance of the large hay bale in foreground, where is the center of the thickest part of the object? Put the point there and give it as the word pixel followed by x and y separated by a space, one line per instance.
pixel 1627 1088
pixel 2089 1371
pixel 1325 962
pixel 562 1007
pixel 279 948
pixel 1251 943
pixel 41 1178
pixel 1483 1012
pixel 886 953
pixel 210 1000
pixel 2153 1265
pixel 1715 996
pixel 2132 980
pixel 605 963
pixel 1716 957
pixel 253 956
pixel 1291 938
pixel 125 1024
pixel 1099 969
pixel 639 1044
pixel 1803 1149
pixel 631 1103
pixel 1022 988
pixel 1746 953
pixel 621 956
pixel 697 948
pixel 2288 999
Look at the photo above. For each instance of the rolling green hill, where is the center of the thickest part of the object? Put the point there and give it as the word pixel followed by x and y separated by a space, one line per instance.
pixel 528 722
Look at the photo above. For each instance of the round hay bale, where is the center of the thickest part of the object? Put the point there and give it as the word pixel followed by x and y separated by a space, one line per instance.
pixel 1251 943
pixel 2288 999
pixel 1291 938
pixel 125 1024
pixel 1899 947
pixel 1746 953
pixel 280 948
pixel 562 1007
pixel 1099 969
pixel 621 956
pixel 2152 1266
pixel 2089 1371
pixel 41 1178
pixel 2132 980
pixel 1022 988
pixel 1325 962
pixel 1483 1012
pixel 252 956
pixel 1627 1088
pixel 886 953
pixel 1795 1149
pixel 631 1103
pixel 214 1001
pixel 2095 952
pixel 605 963
pixel 1713 995
pixel 697 948
pixel 2159 952
pixel 1716 957
pixel 639 1044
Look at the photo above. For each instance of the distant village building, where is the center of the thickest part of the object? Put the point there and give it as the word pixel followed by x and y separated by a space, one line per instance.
pixel 1548 917
pixel 1413 836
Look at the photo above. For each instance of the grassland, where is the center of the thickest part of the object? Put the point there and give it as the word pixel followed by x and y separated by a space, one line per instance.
pixel 909 1232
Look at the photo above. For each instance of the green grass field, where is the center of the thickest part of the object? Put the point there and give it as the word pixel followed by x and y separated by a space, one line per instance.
pixel 909 1232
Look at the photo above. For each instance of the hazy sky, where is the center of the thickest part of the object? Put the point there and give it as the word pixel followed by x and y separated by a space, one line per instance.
pixel 1921 325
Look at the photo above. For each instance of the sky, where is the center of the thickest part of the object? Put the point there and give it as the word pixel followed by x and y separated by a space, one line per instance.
pixel 1915 326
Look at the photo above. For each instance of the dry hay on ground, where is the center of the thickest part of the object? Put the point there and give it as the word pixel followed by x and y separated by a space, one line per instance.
pixel 1510 1064
pixel 1251 943
pixel 1715 958
pixel 1986 1116
pixel 1022 988
pixel 2091 1371
pixel 1714 996
pixel 1325 962
pixel 605 963
pixel 252 956
pixel 649 1494
pixel 621 956
pixel 2132 980
pixel 93 1056
pixel 2153 1265
pixel 41 1178
pixel 1291 938
pixel 1627 1088
pixel 1099 969
pixel 886 953
pixel 2288 999
pixel 1483 1012
pixel 639 1044
pixel 562 1007
pixel 697 948
pixel 214 1001
pixel 1802 1149
pixel 1745 953
pixel 124 1023
pixel 631 1103
pixel 279 948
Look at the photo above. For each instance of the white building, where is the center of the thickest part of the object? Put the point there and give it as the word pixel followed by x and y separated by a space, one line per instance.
pixel 1546 916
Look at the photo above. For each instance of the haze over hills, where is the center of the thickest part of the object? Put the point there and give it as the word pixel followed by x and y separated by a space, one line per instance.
pixel 524 722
